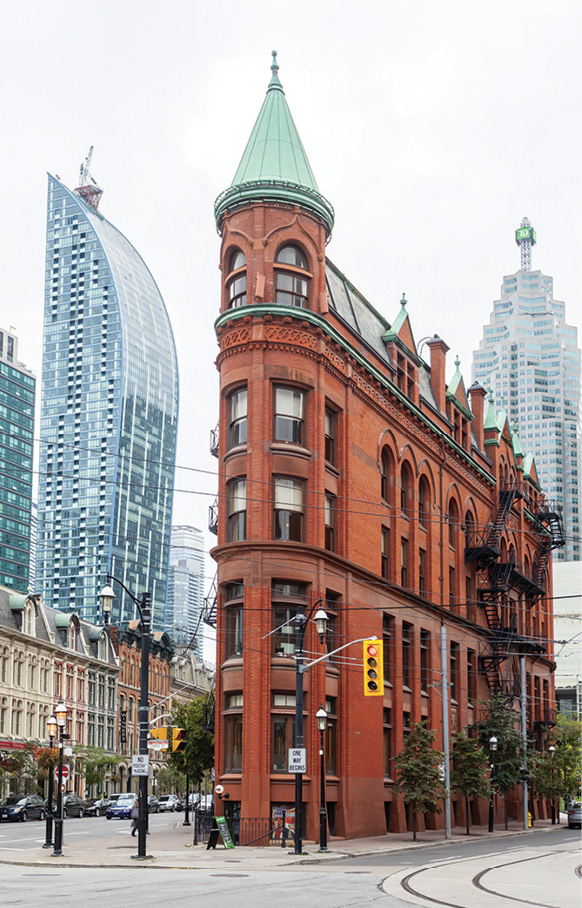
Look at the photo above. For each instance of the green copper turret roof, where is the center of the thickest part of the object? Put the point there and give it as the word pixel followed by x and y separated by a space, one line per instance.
pixel 274 165
pixel 491 419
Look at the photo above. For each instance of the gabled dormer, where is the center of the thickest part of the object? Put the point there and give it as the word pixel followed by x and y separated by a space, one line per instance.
pixel 459 409
pixel 401 347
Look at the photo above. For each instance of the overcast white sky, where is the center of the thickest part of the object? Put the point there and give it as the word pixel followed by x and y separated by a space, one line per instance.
pixel 432 126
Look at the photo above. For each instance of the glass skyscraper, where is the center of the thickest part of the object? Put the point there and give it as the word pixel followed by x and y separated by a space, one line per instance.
pixel 109 410
pixel 17 390
pixel 530 357
pixel 186 588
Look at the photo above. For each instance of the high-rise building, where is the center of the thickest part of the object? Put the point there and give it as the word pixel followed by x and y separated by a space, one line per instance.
pixel 109 413
pixel 186 587
pixel 353 478
pixel 17 393
pixel 529 357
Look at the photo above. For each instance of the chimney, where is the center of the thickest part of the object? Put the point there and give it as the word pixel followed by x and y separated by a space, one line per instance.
pixel 477 395
pixel 438 360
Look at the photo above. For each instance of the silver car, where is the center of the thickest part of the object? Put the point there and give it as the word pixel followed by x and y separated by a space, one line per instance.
pixel 575 815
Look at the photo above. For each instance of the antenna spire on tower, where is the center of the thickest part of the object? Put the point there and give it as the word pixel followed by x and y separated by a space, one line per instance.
pixel 525 237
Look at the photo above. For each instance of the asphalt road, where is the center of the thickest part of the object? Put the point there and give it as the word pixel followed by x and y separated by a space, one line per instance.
pixel 33 831
pixel 535 870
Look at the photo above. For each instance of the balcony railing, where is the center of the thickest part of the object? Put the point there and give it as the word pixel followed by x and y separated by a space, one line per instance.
pixel 213 517
pixel 214 438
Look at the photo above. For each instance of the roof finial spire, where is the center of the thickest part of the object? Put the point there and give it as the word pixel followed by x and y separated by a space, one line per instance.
pixel 457 362
pixel 275 81
pixel 403 301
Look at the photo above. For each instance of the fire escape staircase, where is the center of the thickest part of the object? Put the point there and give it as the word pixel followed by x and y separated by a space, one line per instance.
pixel 209 610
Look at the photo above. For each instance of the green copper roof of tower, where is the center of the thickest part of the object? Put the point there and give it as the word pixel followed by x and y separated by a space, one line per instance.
pixel 274 166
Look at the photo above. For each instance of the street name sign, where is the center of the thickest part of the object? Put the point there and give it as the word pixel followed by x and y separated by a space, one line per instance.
pixel 140 765
pixel 297 759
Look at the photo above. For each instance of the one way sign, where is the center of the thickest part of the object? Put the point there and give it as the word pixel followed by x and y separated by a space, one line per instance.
pixel 297 759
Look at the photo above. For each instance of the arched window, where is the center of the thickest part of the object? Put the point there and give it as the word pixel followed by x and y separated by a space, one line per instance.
pixel 291 285
pixel 387 471
pixel 237 280
pixel 405 490
pixel 453 521
pixel 469 529
pixel 423 502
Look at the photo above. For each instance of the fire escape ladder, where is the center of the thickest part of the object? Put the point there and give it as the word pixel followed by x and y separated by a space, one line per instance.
pixel 209 611
pixel 507 496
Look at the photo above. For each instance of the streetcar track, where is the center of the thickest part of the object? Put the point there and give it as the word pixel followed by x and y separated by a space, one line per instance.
pixel 476 881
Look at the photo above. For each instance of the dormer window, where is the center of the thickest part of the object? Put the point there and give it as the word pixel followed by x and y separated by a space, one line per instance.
pixel 291 281
pixel 237 280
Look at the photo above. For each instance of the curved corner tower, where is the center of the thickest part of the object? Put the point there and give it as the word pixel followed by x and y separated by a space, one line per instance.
pixel 109 415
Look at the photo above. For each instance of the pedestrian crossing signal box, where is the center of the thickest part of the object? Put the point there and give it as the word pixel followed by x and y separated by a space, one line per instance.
pixel 373 668
pixel 178 739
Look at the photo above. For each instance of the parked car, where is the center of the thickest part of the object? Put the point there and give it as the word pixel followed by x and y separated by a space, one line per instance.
pixel 153 804
pixel 73 806
pixel 22 808
pixel 575 815
pixel 121 808
pixel 169 802
pixel 96 807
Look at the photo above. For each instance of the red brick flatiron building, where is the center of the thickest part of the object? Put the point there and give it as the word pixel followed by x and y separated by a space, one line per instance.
pixel 352 472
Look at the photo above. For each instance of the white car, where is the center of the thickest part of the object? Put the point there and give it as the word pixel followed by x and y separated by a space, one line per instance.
pixel 169 802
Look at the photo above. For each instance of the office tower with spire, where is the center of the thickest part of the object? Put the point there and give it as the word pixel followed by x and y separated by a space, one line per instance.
pixel 186 588
pixel 529 357
pixel 17 394
pixel 109 412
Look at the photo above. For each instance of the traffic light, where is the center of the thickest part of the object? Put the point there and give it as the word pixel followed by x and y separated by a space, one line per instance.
pixel 373 668
pixel 178 739
pixel 160 734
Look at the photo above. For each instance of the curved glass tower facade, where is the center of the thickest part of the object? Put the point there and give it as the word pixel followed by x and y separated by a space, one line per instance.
pixel 109 410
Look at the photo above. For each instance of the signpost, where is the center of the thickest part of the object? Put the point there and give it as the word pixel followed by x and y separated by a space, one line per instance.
pixel 140 765
pixel 297 759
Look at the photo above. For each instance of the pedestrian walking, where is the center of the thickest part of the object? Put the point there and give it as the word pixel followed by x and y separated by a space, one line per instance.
pixel 134 817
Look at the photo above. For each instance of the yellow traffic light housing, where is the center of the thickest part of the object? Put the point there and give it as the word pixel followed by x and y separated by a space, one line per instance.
pixel 178 739
pixel 160 734
pixel 373 668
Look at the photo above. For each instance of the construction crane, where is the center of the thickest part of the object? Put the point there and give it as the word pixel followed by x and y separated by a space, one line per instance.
pixel 88 188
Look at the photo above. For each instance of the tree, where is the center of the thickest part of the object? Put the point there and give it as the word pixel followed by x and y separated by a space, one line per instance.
pixel 418 774
pixel 568 755
pixel 97 763
pixel 544 778
pixel 170 780
pixel 198 754
pixel 507 760
pixel 21 769
pixel 469 769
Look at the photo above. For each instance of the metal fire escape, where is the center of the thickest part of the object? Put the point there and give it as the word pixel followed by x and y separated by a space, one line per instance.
pixel 495 578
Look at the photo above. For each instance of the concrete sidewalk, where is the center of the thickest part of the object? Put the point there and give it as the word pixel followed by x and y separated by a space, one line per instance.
pixel 173 849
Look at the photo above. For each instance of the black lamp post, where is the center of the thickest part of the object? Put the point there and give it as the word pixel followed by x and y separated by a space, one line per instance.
pixel 52 732
pixel 61 712
pixel 552 751
pixel 187 806
pixel 144 608
pixel 492 749
pixel 301 623
pixel 321 717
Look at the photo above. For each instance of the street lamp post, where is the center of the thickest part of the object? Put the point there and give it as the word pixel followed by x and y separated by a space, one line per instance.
pixel 301 623
pixel 492 749
pixel 52 731
pixel 61 712
pixel 144 608
pixel 187 806
pixel 552 750
pixel 321 717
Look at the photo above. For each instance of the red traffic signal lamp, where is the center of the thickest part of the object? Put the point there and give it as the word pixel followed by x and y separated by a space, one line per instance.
pixel 373 668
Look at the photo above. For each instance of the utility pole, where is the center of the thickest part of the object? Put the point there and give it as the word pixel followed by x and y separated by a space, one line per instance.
pixel 524 741
pixel 446 743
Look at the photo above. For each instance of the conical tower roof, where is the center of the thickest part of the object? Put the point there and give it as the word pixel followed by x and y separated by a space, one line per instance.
pixel 274 165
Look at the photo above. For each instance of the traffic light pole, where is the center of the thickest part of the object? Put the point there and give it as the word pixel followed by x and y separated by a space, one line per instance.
pixel 300 669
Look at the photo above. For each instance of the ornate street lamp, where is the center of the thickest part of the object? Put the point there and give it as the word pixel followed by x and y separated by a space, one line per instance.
pixel 301 623
pixel 52 733
pixel 552 751
pixel 492 749
pixel 144 608
pixel 61 713
pixel 321 717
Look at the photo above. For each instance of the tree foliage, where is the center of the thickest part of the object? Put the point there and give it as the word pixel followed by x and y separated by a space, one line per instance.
pixel 97 762
pixel 198 754
pixel 568 755
pixel 21 769
pixel 502 722
pixel 170 780
pixel 418 772
pixel 469 770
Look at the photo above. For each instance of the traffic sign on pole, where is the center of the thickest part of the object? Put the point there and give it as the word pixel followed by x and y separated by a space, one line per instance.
pixel 297 759
pixel 65 773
